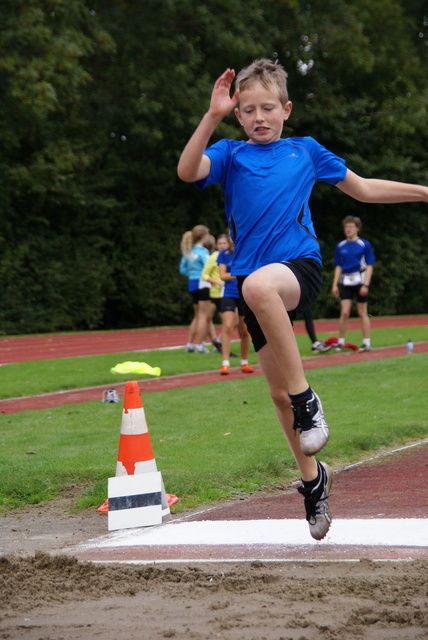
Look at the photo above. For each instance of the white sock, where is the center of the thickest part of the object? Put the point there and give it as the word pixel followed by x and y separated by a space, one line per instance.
pixel 341 341
pixel 225 363
pixel 244 362
pixel 366 342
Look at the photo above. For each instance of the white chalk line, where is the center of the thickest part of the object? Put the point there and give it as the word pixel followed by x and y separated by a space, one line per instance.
pixel 385 532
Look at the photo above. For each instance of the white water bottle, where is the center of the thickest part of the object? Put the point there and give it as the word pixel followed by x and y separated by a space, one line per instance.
pixel 409 347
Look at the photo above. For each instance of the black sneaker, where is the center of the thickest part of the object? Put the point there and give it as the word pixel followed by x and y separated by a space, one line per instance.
pixel 309 420
pixel 217 345
pixel 317 510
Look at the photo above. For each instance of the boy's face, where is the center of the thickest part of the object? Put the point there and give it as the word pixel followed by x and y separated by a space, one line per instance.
pixel 351 230
pixel 261 114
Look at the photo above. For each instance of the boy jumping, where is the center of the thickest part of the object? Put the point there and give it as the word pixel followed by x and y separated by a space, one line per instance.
pixel 267 181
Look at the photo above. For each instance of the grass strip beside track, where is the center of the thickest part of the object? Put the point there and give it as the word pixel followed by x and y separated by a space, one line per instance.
pixel 211 442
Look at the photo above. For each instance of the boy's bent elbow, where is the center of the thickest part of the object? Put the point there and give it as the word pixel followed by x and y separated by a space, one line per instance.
pixel 353 186
pixel 188 171
pixel 183 174
pixel 186 174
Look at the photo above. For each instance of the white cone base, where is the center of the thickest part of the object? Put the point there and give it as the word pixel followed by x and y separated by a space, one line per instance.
pixel 135 501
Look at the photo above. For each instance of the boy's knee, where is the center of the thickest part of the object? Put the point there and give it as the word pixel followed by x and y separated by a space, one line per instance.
pixel 247 289
pixel 253 292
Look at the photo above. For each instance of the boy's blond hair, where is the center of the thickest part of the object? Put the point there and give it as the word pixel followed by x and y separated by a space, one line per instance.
pixel 272 76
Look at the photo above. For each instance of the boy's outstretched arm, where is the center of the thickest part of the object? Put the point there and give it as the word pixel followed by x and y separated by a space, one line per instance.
pixel 381 191
pixel 193 164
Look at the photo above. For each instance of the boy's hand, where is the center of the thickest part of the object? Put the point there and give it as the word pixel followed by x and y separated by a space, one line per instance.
pixel 221 103
pixel 194 164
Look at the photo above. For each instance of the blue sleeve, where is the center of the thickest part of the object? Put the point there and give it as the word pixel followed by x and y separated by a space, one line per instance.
pixel 219 154
pixel 337 257
pixel 328 167
pixel 370 259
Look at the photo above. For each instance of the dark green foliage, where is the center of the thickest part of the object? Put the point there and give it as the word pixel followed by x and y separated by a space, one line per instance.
pixel 98 99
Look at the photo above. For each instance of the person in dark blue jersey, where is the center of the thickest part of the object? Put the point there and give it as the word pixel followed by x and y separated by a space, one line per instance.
pixel 267 182
pixel 353 271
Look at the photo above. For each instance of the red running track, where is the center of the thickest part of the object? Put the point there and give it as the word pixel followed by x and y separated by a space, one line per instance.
pixel 50 346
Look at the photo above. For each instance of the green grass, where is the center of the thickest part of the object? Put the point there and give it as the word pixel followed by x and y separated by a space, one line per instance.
pixel 44 376
pixel 211 442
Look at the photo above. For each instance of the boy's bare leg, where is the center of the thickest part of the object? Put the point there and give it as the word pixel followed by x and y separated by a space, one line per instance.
pixel 364 317
pixel 270 292
pixel 317 477
pixel 345 312
pixel 281 400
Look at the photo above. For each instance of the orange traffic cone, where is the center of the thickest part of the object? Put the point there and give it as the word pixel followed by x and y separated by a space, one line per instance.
pixel 135 455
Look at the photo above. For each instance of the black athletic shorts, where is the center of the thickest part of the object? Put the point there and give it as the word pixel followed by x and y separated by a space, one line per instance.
pixel 309 274
pixel 349 293
pixel 200 294
pixel 230 304
pixel 217 302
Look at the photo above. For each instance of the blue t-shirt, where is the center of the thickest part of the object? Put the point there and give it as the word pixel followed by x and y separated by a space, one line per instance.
pixel 353 256
pixel 267 190
pixel 230 286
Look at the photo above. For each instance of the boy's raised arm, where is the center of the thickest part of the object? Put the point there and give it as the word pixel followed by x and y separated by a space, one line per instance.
pixel 193 164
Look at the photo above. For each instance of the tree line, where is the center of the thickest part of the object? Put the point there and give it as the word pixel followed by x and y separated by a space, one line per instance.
pixel 99 98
